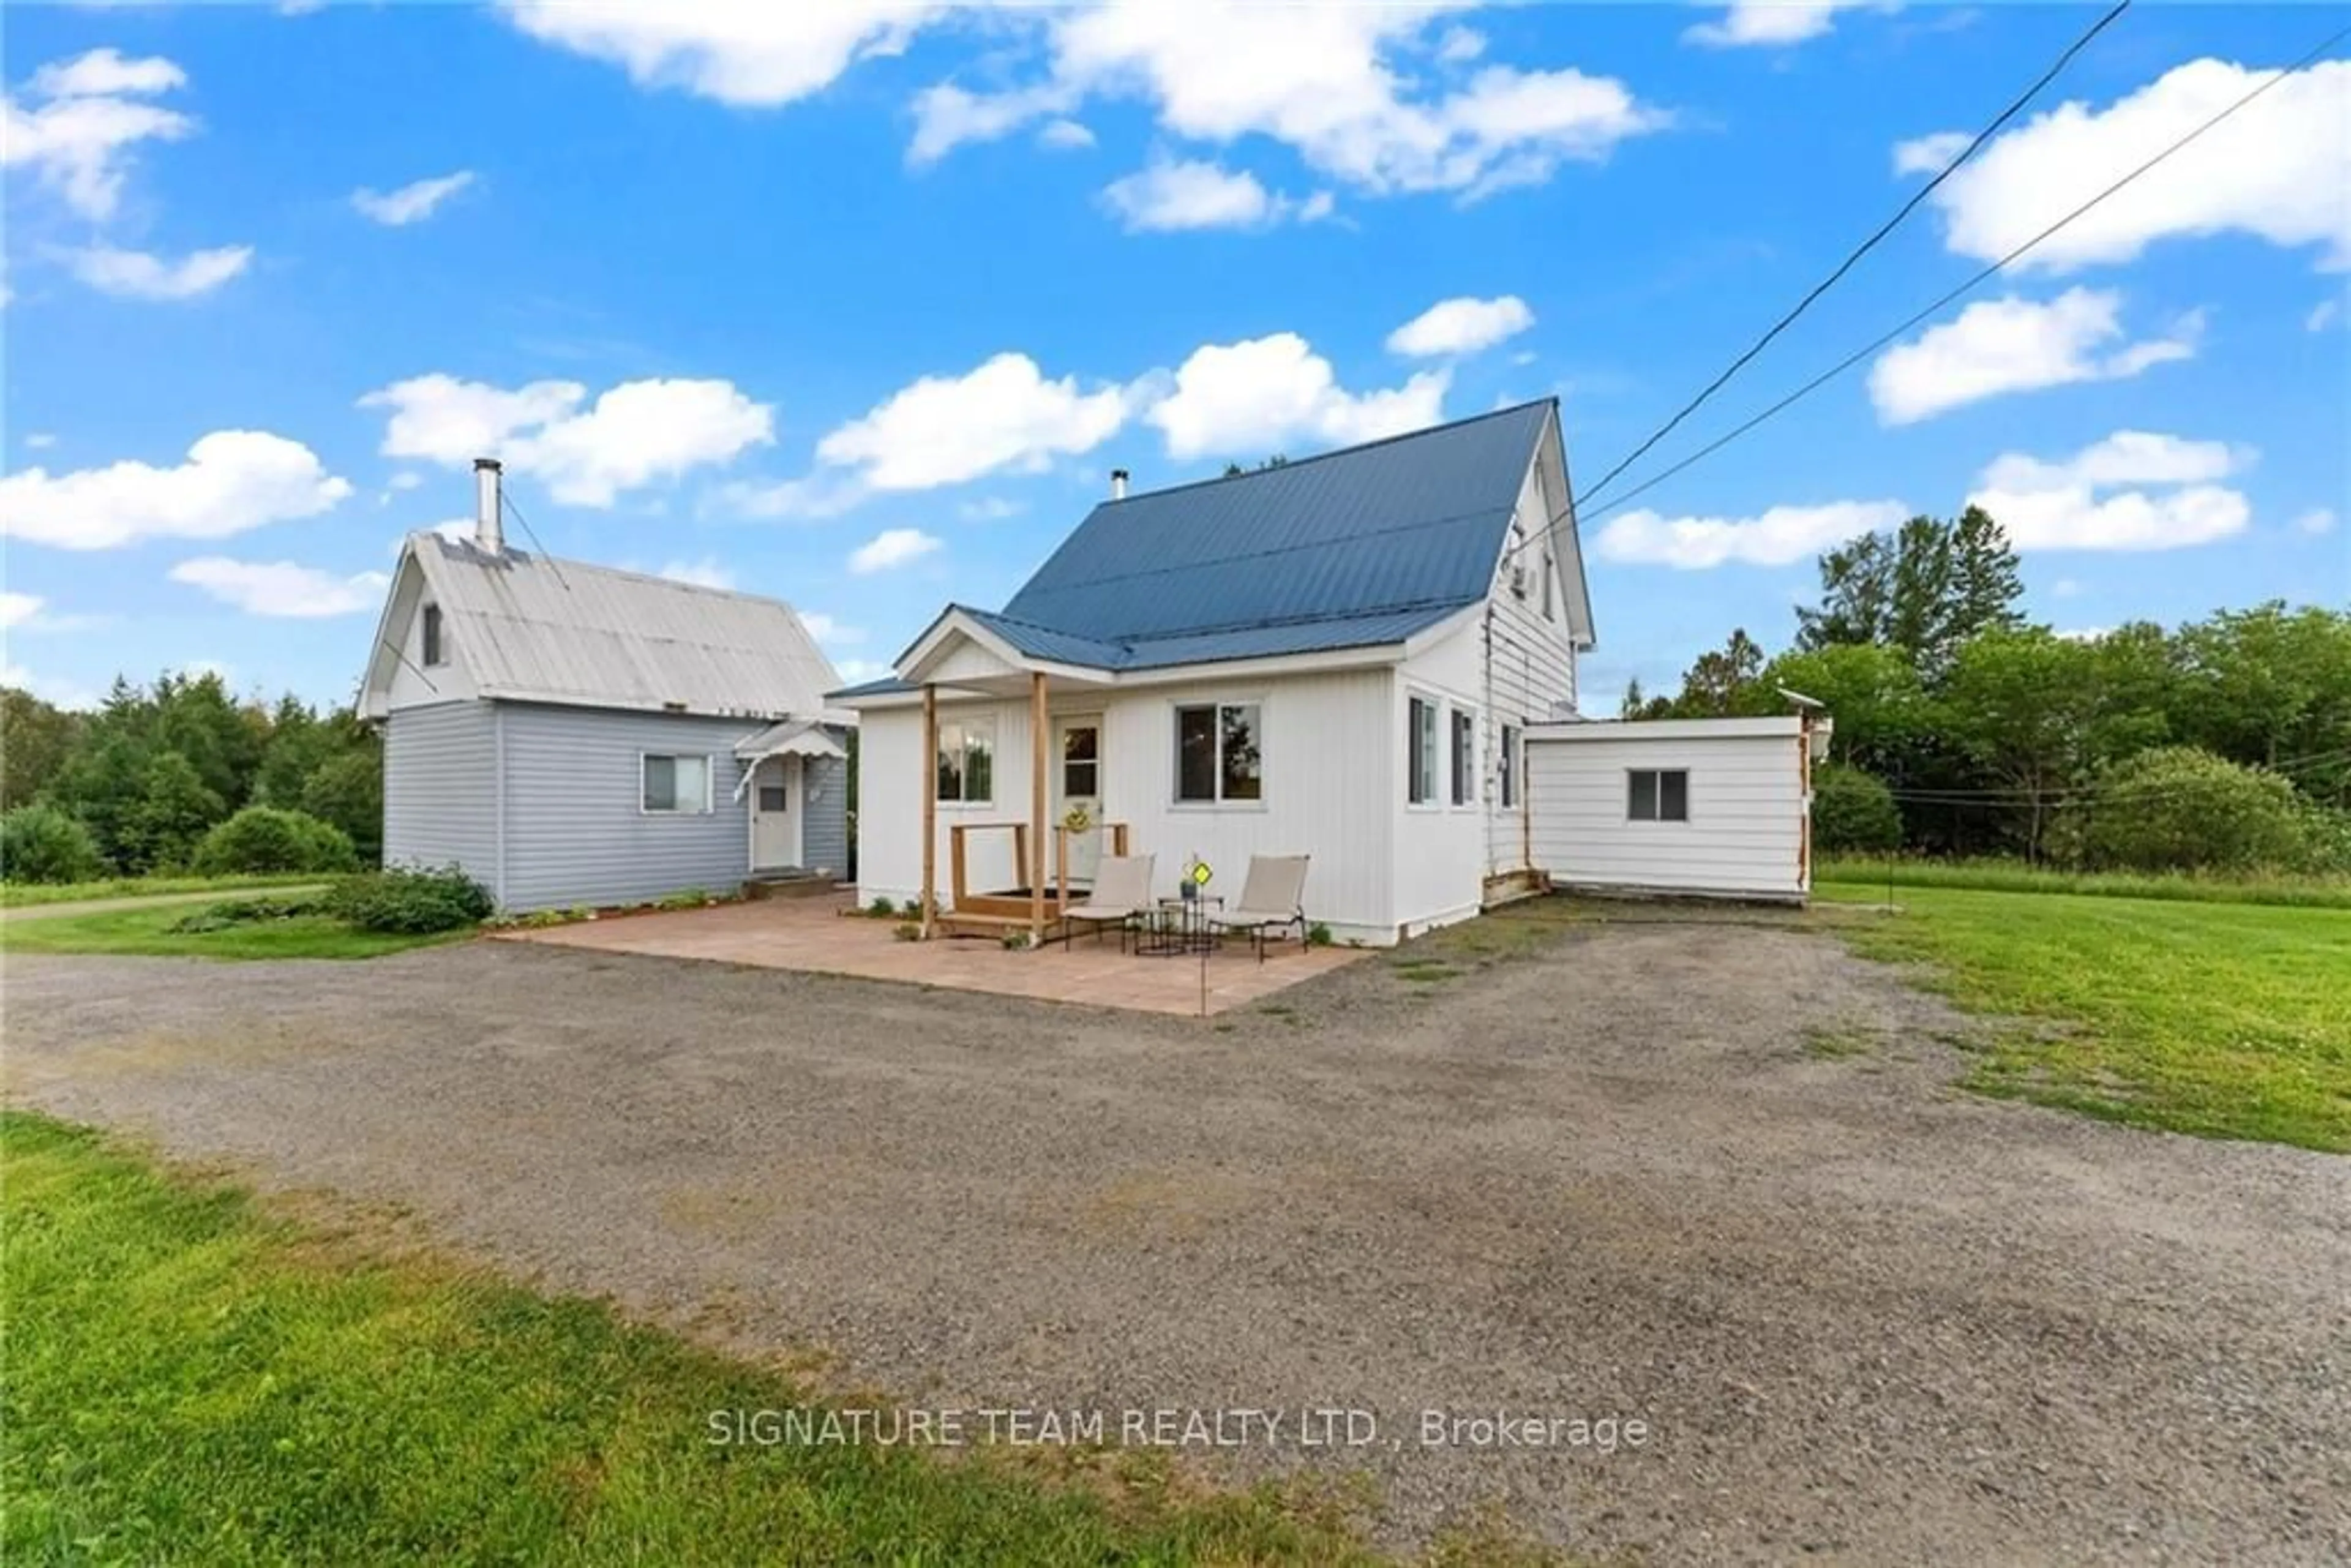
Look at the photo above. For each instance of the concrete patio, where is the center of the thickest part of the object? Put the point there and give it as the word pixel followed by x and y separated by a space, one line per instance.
pixel 815 935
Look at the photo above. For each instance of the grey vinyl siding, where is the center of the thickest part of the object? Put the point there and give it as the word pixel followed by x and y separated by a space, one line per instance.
pixel 576 831
pixel 824 802
pixel 441 787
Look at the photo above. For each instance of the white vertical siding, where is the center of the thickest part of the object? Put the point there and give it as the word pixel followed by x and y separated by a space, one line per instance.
pixel 1440 848
pixel 1746 809
pixel 1328 780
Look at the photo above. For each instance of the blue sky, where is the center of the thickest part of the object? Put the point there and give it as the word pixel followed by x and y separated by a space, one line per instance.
pixel 860 307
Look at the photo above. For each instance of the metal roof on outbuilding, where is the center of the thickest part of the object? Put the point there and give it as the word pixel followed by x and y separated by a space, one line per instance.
pixel 535 630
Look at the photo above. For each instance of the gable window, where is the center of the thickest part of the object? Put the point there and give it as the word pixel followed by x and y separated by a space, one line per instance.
pixel 429 635
pixel 1657 795
pixel 968 761
pixel 1420 753
pixel 1551 611
pixel 1510 779
pixel 1219 752
pixel 1465 758
pixel 676 786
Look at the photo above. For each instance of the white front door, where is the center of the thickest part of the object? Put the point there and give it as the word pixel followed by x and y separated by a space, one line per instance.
pixel 1077 781
pixel 775 814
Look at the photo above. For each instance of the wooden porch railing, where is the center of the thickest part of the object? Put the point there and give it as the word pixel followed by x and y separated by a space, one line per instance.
pixel 960 894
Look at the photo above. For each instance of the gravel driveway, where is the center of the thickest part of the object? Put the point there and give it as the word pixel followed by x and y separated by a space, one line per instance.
pixel 1599 1175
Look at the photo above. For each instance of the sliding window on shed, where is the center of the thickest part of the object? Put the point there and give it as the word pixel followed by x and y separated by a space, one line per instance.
pixel 1657 795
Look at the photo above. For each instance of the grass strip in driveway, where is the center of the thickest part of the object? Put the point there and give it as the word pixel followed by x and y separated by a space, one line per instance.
pixel 148 930
pixel 2223 1020
pixel 31 894
pixel 193 1378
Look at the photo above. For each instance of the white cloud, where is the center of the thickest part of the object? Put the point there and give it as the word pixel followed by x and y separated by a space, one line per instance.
pixel 1769 22
pixel 232 480
pixel 406 479
pixel 1166 194
pixel 943 430
pixel 1459 45
pixel 2316 521
pixel 632 436
pixel 2133 491
pixel 69 694
pixel 2323 315
pixel 83 121
pixel 2013 344
pixel 1780 535
pixel 39 440
pixel 740 52
pixel 853 671
pixel 1325 80
pixel 1461 325
pixel 1245 397
pixel 2084 633
pixel 825 629
pixel 708 572
pixel 281 589
pixel 412 202
pixel 136 275
pixel 2276 169
pixel 891 548
pixel 989 510
pixel 25 612
pixel 1066 135
pixel 16 609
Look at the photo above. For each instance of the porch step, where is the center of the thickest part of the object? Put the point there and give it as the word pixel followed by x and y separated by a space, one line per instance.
pixel 972 922
pixel 788 884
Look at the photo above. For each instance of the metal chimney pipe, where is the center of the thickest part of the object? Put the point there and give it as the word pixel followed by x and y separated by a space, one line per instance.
pixel 489 518
pixel 1118 483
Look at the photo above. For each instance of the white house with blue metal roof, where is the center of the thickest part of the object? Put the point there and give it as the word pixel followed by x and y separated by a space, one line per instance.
pixel 1341 656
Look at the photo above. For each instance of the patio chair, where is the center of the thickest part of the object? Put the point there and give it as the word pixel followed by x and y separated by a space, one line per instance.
pixel 1122 890
pixel 1273 897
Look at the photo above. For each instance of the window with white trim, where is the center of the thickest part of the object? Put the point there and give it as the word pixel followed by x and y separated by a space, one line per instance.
pixel 1657 795
pixel 1465 756
pixel 1219 753
pixel 1509 778
pixel 1420 753
pixel 430 637
pixel 675 786
pixel 966 760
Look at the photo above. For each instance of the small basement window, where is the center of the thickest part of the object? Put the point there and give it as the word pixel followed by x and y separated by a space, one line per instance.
pixel 1657 795
pixel 431 636
pixel 678 786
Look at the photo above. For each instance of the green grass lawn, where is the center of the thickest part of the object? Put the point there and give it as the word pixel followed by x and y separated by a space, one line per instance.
pixel 18 894
pixel 2229 1020
pixel 149 931
pixel 1993 875
pixel 191 1378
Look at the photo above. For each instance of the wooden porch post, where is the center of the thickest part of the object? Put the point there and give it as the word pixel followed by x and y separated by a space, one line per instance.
pixel 930 760
pixel 1037 798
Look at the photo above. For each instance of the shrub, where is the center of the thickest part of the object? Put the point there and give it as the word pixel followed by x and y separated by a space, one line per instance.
pixel 1318 934
pixel 41 843
pixel 267 839
pixel 687 898
pixel 409 902
pixel 881 909
pixel 234 912
pixel 2177 807
pixel 1853 812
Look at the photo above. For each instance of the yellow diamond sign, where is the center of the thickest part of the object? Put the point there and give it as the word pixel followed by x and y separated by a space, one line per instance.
pixel 1201 873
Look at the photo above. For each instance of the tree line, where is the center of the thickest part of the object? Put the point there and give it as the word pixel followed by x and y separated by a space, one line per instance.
pixel 1962 729
pixel 140 785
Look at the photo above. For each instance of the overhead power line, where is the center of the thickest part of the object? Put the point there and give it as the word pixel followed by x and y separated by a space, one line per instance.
pixel 2015 107
pixel 1968 286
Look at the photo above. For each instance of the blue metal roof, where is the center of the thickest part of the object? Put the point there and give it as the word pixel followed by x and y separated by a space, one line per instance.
pixel 1412 522
pixel 1358 547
